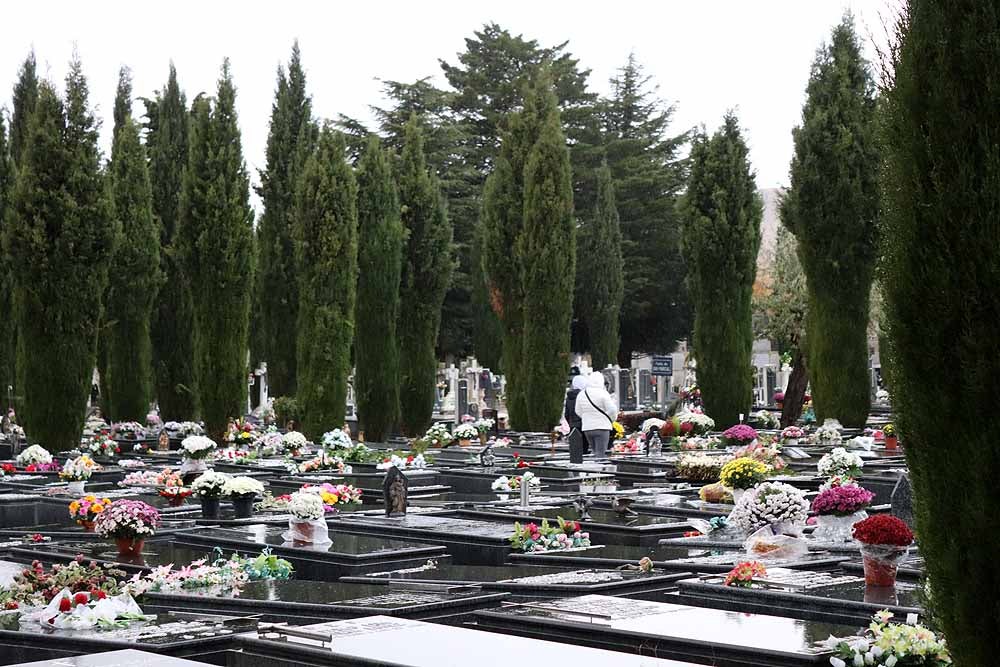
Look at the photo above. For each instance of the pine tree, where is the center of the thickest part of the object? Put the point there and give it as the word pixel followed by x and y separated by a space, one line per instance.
pixel 831 207
pixel 722 212
pixel 941 283
pixel 547 249
pixel 602 302
pixel 172 334
pixel 290 139
pixel 60 236
pixel 215 235
pixel 136 277
pixel 326 253
pixel 426 274
pixel 24 99
pixel 649 174
pixel 380 249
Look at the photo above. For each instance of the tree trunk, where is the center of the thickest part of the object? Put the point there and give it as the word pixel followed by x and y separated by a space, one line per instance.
pixel 795 393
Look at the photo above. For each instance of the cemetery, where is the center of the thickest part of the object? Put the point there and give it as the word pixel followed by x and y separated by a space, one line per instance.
pixel 511 368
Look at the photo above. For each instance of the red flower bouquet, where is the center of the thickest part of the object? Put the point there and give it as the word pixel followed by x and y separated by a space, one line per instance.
pixel 885 541
pixel 883 529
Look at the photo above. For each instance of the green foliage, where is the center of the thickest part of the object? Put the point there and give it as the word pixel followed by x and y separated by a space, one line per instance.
pixel 286 409
pixel 6 278
pixel 781 306
pixel 941 286
pixel 135 279
pixel 487 334
pixel 426 274
pixel 326 253
pixel 172 334
pixel 215 240
pixel 832 207
pixel 290 140
pixel 24 98
pixel 380 250
pixel 721 237
pixel 601 255
pixel 61 222
pixel 547 248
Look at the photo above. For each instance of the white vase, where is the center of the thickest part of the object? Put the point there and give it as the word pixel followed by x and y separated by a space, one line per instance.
pixel 836 529
pixel 737 494
pixel 76 487
pixel 792 442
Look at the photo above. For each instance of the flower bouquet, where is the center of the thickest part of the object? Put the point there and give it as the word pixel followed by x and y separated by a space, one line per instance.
pixel 410 462
pixel 840 462
pixel 334 494
pixel 101 444
pixel 77 471
pixel 84 610
pixel 224 574
pixel 86 510
pixel 35 586
pixel 128 430
pixel 687 423
pixel 535 538
pixel 34 455
pixel 183 429
pixel 838 509
pixel 336 439
pixel 243 491
pixel 744 573
pixel 438 436
pixel 617 430
pixel 210 486
pixel 172 487
pixel 129 522
pixel 764 419
pixel 504 484
pixel 890 644
pixel 742 474
pixel 140 478
pixel 885 541
pixel 630 446
pixel 791 435
pixel 293 443
pixel 323 461
pixel 766 454
pixel 464 433
pixel 740 435
pixel 701 467
pixel 891 438
pixel 267 443
pixel 770 504
pixel 828 435
pixel 779 398
pixel 484 426
pixel 306 524
pixel 240 434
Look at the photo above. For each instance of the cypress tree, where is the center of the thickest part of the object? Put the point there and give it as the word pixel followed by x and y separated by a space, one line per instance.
pixel 61 237
pixel 721 237
pixel 487 335
pixel 547 248
pixel 602 300
pixel 171 334
pixel 941 286
pixel 215 238
pixel 831 208
pixel 290 139
pixel 136 276
pixel 6 278
pixel 426 273
pixel 380 250
pixel 24 99
pixel 326 249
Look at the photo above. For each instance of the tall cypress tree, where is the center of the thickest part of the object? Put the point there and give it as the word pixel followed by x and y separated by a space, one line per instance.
pixel 942 299
pixel 426 273
pixel 380 250
pixel 215 238
pixel 171 334
pixel 24 99
pixel 602 300
pixel 831 208
pixel 721 237
pixel 136 277
pixel 326 248
pixel 6 279
pixel 290 139
pixel 61 237
pixel 548 256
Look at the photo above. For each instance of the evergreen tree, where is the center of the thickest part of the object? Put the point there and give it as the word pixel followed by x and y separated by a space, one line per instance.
pixel 172 334
pixel 60 237
pixel 605 282
pixel 326 247
pixel 487 335
pixel 832 207
pixel 6 278
pixel 215 238
pixel 380 249
pixel 548 256
pixel 649 174
pixel 290 139
pixel 136 277
pixel 24 99
pixel 722 212
pixel 941 284
pixel 426 274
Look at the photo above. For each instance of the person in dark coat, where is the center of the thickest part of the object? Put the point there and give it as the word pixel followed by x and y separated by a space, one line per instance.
pixel 577 439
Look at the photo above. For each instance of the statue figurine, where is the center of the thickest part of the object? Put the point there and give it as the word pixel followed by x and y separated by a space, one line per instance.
pixel 487 458
pixel 163 443
pixel 621 506
pixel 582 505
pixel 394 492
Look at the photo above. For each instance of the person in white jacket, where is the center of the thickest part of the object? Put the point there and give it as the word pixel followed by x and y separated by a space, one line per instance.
pixel 597 410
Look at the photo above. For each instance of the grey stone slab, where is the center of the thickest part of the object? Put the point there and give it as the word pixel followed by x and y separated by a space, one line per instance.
pixel 123 658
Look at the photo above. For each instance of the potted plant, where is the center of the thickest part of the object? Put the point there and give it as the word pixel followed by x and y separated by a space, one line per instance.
pixel 101 444
pixel 195 450
pixel 779 399
pixel 885 541
pixel 886 643
pixel 465 433
pixel 791 435
pixel 173 487
pixel 438 436
pixel 209 487
pixel 336 440
pixel 77 471
pixel 334 494
pixel 128 431
pixel 35 455
pixel 743 574
pixel 742 474
pixel 770 504
pixel 86 510
pixel 483 426
pixel 740 435
pixel 306 525
pixel 129 523
pixel 243 491
pixel 891 439
pixel 840 463
pixel 837 509
pixel 293 443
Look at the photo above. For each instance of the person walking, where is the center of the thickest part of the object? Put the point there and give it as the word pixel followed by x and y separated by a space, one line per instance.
pixel 595 407
pixel 577 442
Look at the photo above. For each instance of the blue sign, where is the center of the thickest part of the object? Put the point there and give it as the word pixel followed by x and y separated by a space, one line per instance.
pixel 663 365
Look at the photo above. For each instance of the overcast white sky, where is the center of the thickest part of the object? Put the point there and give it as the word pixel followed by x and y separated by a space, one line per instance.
pixel 706 55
